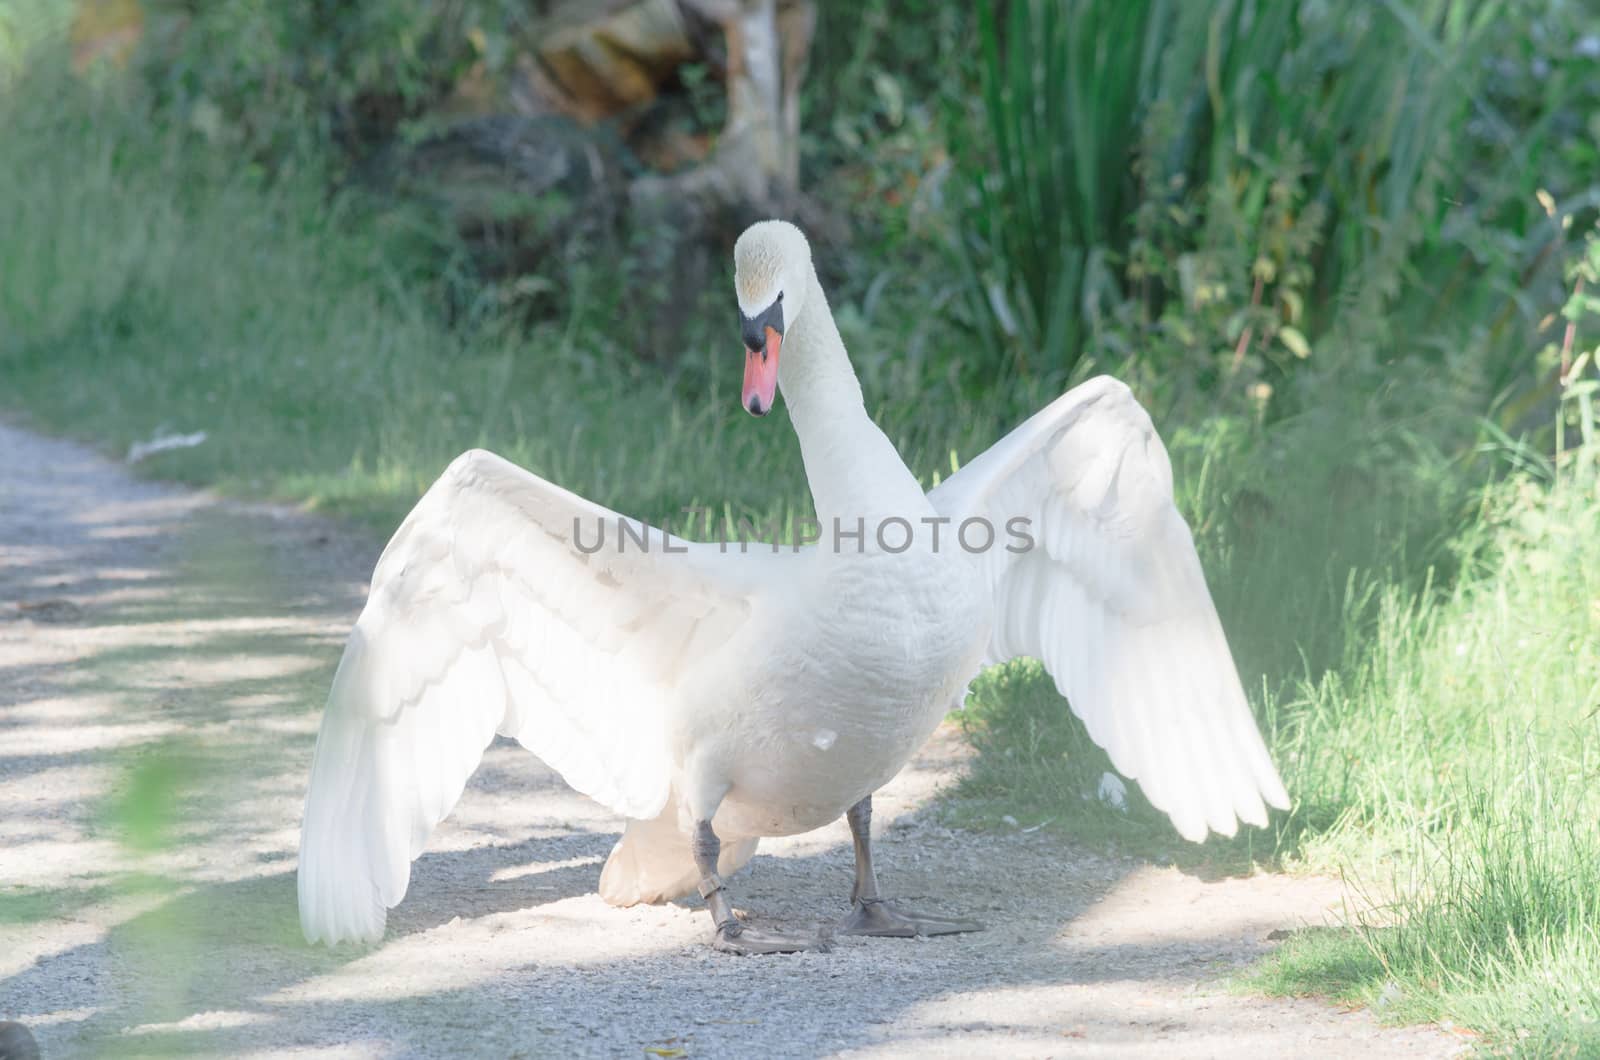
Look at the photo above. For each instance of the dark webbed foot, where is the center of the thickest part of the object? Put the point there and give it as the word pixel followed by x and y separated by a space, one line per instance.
pixel 881 917
pixel 732 934
pixel 747 941
pixel 871 914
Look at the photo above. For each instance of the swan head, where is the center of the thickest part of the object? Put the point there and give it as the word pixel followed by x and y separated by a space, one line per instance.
pixel 771 273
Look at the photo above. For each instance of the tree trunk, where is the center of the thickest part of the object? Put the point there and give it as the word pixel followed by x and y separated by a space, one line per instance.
pixel 757 158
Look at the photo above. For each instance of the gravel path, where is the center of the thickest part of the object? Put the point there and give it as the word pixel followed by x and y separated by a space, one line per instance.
pixel 149 634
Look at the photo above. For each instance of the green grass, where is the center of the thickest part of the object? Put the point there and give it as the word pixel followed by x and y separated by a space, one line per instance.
pixel 1463 759
pixel 1450 766
pixel 145 289
pixel 1491 921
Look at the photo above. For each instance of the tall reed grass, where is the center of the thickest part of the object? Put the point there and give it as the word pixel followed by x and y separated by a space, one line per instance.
pixel 1092 106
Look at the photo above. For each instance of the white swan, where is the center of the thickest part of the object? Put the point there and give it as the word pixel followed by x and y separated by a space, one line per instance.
pixel 713 697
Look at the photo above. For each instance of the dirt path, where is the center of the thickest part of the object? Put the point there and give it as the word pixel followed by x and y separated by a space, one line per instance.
pixel 150 635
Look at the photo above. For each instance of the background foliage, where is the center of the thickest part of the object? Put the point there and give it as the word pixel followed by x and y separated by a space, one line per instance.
pixel 1345 252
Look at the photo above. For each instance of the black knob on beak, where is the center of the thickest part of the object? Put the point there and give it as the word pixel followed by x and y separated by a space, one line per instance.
pixel 754 329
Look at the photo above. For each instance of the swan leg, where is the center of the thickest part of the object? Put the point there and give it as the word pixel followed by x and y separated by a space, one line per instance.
pixel 734 935
pixel 871 913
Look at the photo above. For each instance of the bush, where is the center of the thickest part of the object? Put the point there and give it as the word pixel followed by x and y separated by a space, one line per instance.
pixel 276 80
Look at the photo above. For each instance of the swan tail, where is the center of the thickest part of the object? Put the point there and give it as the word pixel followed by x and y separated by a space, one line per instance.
pixel 652 862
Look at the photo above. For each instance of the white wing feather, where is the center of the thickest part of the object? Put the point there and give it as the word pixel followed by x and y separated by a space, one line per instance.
pixel 1112 600
pixel 484 618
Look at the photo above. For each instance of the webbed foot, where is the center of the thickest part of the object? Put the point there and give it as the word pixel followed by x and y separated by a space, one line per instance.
pixel 746 941
pixel 881 917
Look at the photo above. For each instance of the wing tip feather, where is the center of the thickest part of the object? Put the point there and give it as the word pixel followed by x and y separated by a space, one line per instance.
pixel 333 906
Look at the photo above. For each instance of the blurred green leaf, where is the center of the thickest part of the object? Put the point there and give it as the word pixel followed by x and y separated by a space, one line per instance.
pixel 145 810
pixel 1296 342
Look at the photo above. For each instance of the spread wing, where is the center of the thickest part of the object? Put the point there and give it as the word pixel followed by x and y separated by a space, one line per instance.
pixel 1112 600
pixel 486 616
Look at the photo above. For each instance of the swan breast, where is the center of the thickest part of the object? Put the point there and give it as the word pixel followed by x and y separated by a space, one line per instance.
pixel 867 659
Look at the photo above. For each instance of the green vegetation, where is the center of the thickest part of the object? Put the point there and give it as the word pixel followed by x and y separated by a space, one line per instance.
pixel 1346 255
pixel 1485 815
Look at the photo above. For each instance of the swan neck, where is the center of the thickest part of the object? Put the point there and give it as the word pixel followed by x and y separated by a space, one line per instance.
pixel 817 376
pixel 853 468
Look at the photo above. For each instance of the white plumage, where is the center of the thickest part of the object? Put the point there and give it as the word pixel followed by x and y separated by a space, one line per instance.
pixel 680 682
pixel 1113 601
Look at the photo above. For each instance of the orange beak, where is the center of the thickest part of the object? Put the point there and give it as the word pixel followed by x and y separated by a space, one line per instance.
pixel 761 374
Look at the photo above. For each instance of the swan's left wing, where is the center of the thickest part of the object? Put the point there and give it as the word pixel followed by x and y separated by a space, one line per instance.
pixel 496 609
pixel 1111 598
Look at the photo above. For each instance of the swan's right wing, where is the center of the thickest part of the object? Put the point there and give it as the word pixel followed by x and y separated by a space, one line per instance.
pixel 487 615
pixel 1113 601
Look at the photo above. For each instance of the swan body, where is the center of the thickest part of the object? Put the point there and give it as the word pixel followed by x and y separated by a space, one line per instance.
pixel 835 710
pixel 713 696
